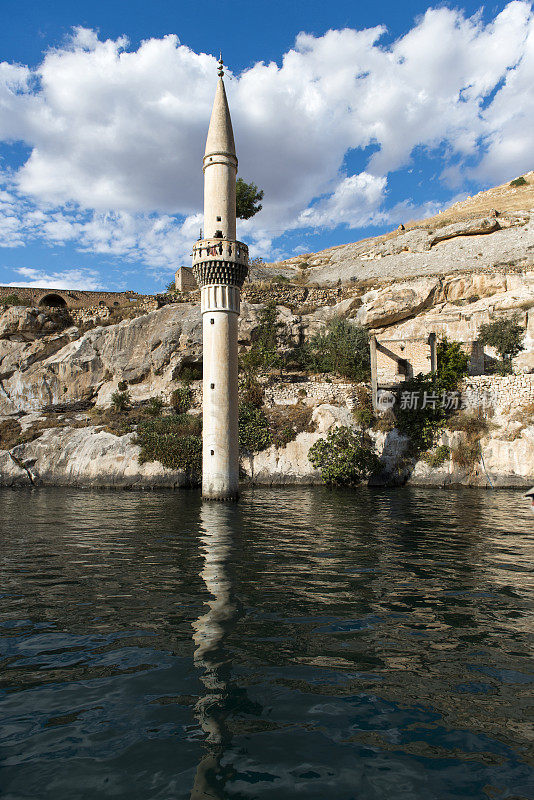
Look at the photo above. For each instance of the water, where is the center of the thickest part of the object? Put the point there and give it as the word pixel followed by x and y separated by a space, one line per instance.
pixel 303 644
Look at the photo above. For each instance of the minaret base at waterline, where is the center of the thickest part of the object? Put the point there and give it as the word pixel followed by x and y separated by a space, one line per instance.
pixel 220 280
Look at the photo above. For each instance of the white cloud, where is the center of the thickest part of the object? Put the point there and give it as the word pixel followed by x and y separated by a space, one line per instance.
pixel 117 135
pixel 68 279
pixel 355 202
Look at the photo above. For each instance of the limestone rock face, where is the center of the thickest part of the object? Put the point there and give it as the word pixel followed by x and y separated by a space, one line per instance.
pixel 465 228
pixel 22 324
pixel 134 350
pixel 381 307
pixel 466 246
pixel 83 457
pixel 290 464
pixel 508 461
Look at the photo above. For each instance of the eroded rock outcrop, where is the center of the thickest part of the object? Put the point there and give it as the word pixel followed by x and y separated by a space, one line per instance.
pixel 85 457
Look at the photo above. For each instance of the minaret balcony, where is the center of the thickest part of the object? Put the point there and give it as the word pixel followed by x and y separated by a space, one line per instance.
pixel 220 249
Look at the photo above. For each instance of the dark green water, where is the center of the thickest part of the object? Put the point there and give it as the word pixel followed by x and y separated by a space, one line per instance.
pixel 303 644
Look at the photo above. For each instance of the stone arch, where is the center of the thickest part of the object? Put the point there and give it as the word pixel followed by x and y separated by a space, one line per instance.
pixel 53 300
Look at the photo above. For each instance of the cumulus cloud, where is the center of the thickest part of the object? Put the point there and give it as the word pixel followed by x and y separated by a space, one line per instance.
pixel 116 135
pixel 68 279
pixel 354 202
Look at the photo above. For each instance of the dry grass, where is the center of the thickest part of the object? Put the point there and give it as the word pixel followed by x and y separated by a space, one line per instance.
pixel 286 422
pixel 525 415
pixel 468 452
pixel 11 433
pixel 471 424
pixel 10 430
pixel 505 199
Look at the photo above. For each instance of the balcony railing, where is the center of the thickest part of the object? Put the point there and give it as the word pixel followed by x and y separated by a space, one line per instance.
pixel 225 249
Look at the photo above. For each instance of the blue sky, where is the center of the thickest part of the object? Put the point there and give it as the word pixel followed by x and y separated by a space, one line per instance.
pixel 352 117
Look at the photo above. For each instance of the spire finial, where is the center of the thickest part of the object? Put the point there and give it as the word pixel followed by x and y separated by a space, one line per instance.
pixel 220 70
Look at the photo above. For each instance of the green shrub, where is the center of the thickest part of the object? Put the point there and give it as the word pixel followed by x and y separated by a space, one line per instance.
pixel 187 373
pixel 250 390
pixel 452 366
pixel 505 335
pixel 341 348
pixel 254 432
pixel 120 400
pixel 363 413
pixel 519 182
pixel 175 442
pixel 122 386
pixel 342 459
pixel 263 354
pixel 438 456
pixel 154 406
pixel 421 424
pixel 181 399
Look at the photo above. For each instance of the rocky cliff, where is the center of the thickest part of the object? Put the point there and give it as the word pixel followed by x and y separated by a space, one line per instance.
pixel 447 278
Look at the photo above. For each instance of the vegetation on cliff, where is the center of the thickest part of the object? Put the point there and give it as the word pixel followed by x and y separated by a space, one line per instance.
pixel 425 402
pixel 342 458
pixel 505 335
pixel 175 441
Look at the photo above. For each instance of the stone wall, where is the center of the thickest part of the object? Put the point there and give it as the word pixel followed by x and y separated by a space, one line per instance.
pixel 312 392
pixel 97 314
pixel 184 280
pixel 73 298
pixel 292 296
pixel 504 394
pixel 398 360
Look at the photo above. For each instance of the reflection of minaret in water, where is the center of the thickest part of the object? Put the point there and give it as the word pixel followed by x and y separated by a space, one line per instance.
pixel 210 632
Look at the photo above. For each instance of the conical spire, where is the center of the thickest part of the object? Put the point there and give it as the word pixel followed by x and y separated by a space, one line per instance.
pixel 220 134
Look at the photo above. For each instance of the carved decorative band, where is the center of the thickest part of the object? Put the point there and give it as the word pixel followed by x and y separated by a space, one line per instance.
pixel 220 298
pixel 209 273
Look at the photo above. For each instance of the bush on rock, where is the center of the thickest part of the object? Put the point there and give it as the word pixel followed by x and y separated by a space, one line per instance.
pixel 342 459
pixel 175 442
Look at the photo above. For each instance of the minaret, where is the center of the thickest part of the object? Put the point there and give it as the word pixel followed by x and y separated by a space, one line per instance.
pixel 220 265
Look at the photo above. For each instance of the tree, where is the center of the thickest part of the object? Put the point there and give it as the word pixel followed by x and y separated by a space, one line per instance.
pixel 453 363
pixel 248 198
pixel 341 348
pixel 505 336
pixel 342 459
pixel 263 354
pixel 254 432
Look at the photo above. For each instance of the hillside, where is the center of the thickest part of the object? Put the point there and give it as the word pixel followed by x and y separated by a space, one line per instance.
pixel 492 230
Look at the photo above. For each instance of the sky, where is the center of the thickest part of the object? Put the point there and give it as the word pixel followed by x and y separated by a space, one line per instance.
pixel 352 117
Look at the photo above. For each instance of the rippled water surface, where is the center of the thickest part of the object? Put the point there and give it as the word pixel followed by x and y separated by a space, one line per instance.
pixel 302 644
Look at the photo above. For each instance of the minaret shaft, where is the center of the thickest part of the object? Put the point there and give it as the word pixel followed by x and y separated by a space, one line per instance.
pixel 219 199
pixel 220 444
pixel 220 265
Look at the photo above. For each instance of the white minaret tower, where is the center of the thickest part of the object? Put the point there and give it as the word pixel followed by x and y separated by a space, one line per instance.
pixel 220 265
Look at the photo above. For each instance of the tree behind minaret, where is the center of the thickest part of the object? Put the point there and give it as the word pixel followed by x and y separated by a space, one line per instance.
pixel 247 199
